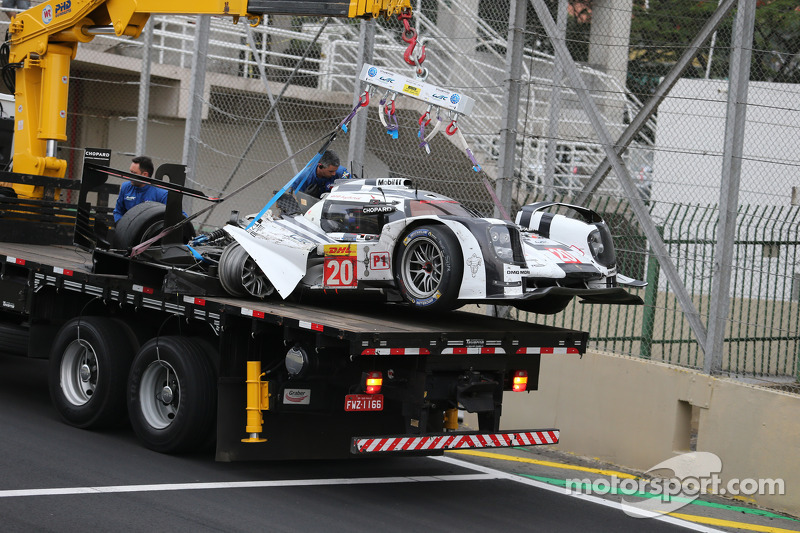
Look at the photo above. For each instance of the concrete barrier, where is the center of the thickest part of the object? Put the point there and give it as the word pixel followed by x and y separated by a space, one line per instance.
pixel 636 413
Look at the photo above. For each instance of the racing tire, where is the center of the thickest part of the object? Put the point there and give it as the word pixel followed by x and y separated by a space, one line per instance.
pixel 172 396
pixel 142 222
pixel 89 364
pixel 429 268
pixel 549 305
pixel 239 274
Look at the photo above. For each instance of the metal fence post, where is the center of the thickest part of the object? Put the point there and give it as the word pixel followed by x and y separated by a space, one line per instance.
pixel 358 135
pixel 555 107
pixel 650 301
pixel 144 90
pixel 194 114
pixel 729 186
pixel 508 128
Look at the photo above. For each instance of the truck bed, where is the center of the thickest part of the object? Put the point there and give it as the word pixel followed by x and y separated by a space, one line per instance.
pixel 371 324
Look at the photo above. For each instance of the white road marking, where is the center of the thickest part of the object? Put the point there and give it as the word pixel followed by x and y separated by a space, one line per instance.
pixel 67 491
pixel 486 474
pixel 586 497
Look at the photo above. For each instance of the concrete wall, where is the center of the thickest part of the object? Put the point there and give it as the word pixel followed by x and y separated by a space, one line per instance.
pixel 637 413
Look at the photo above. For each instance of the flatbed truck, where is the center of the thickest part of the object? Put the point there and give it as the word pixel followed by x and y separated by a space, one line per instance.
pixel 264 379
pixel 129 339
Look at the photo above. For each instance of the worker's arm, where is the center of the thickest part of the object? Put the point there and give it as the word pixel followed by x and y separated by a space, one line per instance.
pixel 120 208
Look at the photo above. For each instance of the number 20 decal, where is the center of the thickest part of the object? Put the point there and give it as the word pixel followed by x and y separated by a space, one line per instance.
pixel 340 272
pixel 563 255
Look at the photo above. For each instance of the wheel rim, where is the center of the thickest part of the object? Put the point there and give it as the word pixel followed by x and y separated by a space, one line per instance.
pixel 254 281
pixel 422 268
pixel 160 395
pixel 79 372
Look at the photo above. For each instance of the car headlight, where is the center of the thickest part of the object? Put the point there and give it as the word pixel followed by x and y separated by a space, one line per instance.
pixel 602 246
pixel 501 241
pixel 596 243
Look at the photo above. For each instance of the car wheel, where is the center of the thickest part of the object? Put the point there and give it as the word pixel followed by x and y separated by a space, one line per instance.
pixel 429 268
pixel 172 394
pixel 549 305
pixel 89 366
pixel 239 274
pixel 142 222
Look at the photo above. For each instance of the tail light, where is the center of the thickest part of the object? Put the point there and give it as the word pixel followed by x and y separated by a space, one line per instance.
pixel 520 382
pixel 371 382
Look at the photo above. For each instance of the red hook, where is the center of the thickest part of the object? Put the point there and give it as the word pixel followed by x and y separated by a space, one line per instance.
pixel 451 128
pixel 422 119
pixel 364 100
pixel 407 55
pixel 388 111
pixel 410 36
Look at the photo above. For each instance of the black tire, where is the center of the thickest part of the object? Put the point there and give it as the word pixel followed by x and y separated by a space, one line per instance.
pixel 549 305
pixel 239 274
pixel 429 268
pixel 172 397
pixel 142 222
pixel 89 365
pixel 14 339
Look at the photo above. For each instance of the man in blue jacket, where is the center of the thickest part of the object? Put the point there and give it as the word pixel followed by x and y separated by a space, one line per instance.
pixel 131 194
pixel 319 179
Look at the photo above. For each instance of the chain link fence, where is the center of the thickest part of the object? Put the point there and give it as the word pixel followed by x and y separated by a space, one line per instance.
pixel 622 49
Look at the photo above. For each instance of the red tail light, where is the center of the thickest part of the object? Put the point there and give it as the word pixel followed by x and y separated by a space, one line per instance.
pixel 372 382
pixel 520 382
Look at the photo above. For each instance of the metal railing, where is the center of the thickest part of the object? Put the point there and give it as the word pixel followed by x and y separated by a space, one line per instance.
pixel 763 337
pixel 332 68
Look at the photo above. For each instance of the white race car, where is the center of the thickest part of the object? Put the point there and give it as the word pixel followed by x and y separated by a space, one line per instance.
pixel 385 235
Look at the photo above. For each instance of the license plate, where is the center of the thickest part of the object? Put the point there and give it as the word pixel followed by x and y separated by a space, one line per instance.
pixel 363 402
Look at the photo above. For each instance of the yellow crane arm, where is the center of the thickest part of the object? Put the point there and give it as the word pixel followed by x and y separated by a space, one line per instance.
pixel 44 41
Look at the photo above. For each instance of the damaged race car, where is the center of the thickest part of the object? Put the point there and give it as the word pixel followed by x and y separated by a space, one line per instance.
pixel 383 235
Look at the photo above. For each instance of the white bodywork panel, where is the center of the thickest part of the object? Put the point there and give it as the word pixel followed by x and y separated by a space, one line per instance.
pixel 283 261
pixel 473 281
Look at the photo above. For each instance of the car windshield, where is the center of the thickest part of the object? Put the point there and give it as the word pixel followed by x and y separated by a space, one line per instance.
pixel 349 217
pixel 441 206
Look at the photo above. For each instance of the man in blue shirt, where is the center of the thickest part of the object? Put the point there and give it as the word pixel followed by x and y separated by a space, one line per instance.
pixel 131 194
pixel 319 179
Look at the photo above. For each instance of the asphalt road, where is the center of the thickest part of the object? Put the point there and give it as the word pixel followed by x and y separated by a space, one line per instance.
pixel 57 478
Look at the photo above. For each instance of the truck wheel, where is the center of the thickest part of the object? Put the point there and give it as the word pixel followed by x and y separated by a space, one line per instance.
pixel 549 305
pixel 142 222
pixel 239 274
pixel 429 268
pixel 172 394
pixel 89 365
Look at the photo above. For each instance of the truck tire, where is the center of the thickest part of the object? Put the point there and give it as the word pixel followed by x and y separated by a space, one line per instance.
pixel 142 222
pixel 172 397
pixel 89 365
pixel 239 274
pixel 429 268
